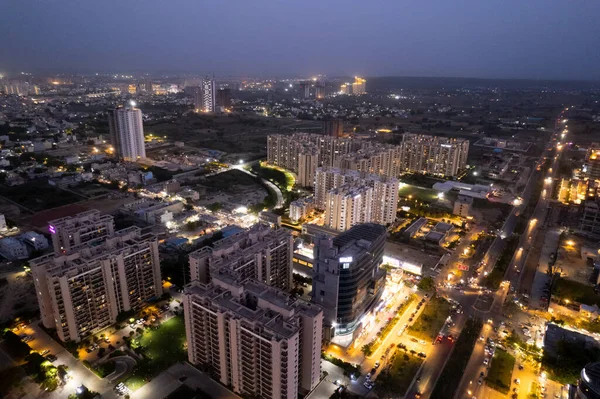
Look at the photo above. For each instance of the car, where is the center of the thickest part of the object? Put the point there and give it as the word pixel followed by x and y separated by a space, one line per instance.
pixel 377 364
pixel 417 395
pixel 368 385
pixel 51 358
pixel 107 340
pixel 368 377
pixel 89 349
pixel 45 352
pixel 411 319
pixel 414 340
pixel 480 381
pixel 373 371
pixel 486 361
pixel 481 374
pixel 517 381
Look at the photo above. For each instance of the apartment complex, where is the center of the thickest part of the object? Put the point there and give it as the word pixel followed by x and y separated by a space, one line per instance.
pixel 303 153
pixel 260 252
pixel 347 279
pixel 127 133
pixel 349 197
pixel 256 338
pixel 442 156
pixel 81 289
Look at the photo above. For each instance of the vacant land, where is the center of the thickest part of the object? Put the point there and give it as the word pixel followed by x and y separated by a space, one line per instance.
pixel 500 375
pixel 39 195
pixel 574 291
pixel 431 321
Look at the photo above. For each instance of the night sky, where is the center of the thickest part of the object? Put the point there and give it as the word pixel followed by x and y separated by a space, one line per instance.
pixel 542 39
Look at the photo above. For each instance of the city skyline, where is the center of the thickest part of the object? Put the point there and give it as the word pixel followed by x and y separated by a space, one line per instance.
pixel 537 40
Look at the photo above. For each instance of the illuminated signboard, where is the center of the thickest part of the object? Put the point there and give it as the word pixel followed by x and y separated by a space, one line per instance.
pixel 346 259
pixel 52 229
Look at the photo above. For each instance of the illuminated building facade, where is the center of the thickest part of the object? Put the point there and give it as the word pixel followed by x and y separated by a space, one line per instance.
pixel 347 279
pixel 441 156
pixel 81 290
pixel 209 102
pixel 127 132
pixel 257 339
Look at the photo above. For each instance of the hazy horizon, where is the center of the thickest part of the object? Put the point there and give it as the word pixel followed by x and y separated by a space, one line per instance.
pixel 510 39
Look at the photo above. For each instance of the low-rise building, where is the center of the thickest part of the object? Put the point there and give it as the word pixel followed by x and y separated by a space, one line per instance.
pixel 13 249
pixel 37 241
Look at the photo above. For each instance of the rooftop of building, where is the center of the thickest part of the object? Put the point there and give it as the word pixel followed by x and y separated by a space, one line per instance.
pixel 368 232
pixel 254 301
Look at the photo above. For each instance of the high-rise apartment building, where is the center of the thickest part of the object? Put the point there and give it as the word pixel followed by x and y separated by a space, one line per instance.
pixel 82 290
pixel 127 132
pixel 148 85
pixel 209 102
pixel 72 231
pixel 255 338
pixel 260 252
pixel 333 127
pixel 350 197
pixel 224 97
pixel 196 92
pixel 346 153
pixel 320 90
pixel 347 279
pixel 441 156
pixel 346 88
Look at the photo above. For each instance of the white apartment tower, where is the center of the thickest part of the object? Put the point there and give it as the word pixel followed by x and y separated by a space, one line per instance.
pixel 127 133
pixel 351 197
pixel 70 232
pixel 261 253
pixel 81 290
pixel 209 102
pixel 255 338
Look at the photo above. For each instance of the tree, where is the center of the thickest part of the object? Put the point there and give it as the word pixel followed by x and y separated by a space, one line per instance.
pixel 426 284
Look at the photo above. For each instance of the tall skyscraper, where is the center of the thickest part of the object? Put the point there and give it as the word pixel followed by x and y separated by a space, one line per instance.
pixel 127 132
pixel 256 338
pixel 347 279
pixel 81 290
pixel 209 102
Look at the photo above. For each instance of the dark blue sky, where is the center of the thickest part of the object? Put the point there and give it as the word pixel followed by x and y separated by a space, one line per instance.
pixel 555 39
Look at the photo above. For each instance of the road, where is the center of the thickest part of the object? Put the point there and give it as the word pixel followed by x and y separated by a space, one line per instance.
pixel 431 371
pixel 514 275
